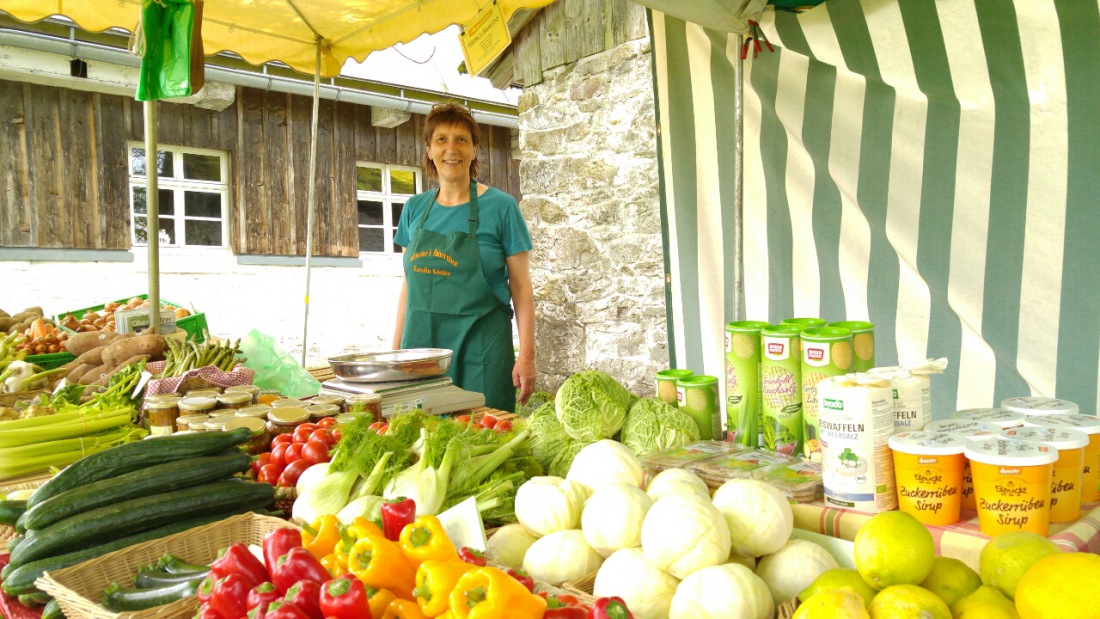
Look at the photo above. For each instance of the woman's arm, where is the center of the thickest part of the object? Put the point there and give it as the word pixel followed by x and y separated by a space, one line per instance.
pixel 400 316
pixel 523 299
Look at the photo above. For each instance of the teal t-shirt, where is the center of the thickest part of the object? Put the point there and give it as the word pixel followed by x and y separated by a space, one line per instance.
pixel 501 231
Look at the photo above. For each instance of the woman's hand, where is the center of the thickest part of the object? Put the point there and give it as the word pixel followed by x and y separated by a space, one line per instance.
pixel 523 378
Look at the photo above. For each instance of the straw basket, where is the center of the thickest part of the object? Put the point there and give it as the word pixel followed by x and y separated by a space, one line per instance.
pixel 786 609
pixel 79 588
pixel 582 588
pixel 10 399
pixel 26 482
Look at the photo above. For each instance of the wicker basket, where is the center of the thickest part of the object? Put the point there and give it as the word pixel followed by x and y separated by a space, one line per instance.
pixel 786 609
pixel 26 482
pixel 9 399
pixel 79 588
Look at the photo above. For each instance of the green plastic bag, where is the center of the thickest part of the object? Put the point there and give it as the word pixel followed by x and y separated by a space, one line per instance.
pixel 172 63
pixel 275 369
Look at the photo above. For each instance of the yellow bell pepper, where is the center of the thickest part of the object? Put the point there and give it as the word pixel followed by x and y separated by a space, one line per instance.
pixel 334 566
pixel 403 609
pixel 434 582
pixel 379 600
pixel 488 593
pixel 378 562
pixel 425 539
pixel 358 529
pixel 321 537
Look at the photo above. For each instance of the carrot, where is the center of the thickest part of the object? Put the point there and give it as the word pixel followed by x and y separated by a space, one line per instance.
pixel 38 329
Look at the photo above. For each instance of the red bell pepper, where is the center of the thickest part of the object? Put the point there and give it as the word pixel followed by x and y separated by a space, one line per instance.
pixel 523 578
pixel 566 612
pixel 306 595
pixel 610 608
pixel 345 598
pixel 262 595
pixel 260 612
pixel 395 515
pixel 206 588
pixel 295 566
pixel 284 610
pixel 206 611
pixel 230 596
pixel 237 559
pixel 279 542
pixel 472 556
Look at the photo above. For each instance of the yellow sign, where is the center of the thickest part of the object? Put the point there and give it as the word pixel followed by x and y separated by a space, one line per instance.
pixel 484 38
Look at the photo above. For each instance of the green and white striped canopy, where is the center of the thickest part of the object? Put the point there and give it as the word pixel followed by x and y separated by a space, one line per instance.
pixel 933 167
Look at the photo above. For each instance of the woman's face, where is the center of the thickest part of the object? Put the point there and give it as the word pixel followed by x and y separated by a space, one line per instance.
pixel 452 151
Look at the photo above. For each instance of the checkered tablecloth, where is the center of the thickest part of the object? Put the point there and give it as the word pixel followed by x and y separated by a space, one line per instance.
pixel 963 540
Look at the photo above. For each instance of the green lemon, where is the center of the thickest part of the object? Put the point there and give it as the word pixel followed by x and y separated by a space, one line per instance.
pixel 908 602
pixel 834 604
pixel 840 579
pixel 985 603
pixel 952 580
pixel 893 548
pixel 1005 558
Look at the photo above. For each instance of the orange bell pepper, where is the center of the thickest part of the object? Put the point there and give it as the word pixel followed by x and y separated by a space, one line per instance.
pixel 488 593
pixel 434 582
pixel 403 609
pixel 379 600
pixel 425 539
pixel 378 562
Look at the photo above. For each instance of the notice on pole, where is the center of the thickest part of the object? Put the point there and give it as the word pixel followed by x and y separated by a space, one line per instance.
pixel 484 38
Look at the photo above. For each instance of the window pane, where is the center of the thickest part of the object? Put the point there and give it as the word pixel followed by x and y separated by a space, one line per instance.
pixel 141 230
pixel 167 230
pixel 395 213
pixel 202 204
pixel 166 205
pixel 202 167
pixel 371 239
pixel 164 162
pixel 199 232
pixel 403 181
pixel 368 179
pixel 370 213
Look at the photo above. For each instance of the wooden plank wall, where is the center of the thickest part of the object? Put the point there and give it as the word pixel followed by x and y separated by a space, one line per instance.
pixel 64 166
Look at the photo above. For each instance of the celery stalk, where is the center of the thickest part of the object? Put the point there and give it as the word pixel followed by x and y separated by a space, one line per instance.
pixel 47 420
pixel 53 432
pixel 40 456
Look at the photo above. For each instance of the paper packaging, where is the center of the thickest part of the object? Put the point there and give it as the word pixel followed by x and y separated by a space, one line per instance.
pixel 912 392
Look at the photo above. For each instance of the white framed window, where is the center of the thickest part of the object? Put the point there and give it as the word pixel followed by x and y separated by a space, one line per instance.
pixel 193 190
pixel 381 193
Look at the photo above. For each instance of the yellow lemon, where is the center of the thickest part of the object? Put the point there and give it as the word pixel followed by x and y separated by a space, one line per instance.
pixel 893 548
pixel 835 604
pixel 840 579
pixel 1005 558
pixel 952 580
pixel 1064 585
pixel 908 602
pixel 985 603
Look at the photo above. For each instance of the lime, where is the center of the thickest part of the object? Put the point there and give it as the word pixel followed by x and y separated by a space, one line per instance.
pixel 1005 558
pixel 952 580
pixel 893 548
pixel 1062 585
pixel 985 603
pixel 834 604
pixel 908 602
pixel 840 579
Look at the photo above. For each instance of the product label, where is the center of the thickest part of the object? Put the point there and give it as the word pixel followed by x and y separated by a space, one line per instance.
pixel 857 464
pixel 743 387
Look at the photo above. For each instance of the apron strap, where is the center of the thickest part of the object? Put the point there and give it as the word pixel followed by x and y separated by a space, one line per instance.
pixel 473 208
pixel 424 217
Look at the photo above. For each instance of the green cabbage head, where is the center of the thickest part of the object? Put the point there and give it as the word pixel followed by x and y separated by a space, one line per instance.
pixel 548 437
pixel 564 460
pixel 653 425
pixel 591 406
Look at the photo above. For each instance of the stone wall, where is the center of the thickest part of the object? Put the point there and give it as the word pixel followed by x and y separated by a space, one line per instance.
pixel 592 202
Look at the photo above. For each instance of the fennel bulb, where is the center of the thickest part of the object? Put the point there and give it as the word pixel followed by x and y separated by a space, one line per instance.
pixel 327 496
pixel 424 484
pixel 369 507
pixel 311 477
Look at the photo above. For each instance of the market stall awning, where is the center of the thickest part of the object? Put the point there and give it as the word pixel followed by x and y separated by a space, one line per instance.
pixel 286 30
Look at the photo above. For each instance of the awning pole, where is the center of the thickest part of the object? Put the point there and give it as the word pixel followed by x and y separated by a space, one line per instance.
pixel 152 207
pixel 738 188
pixel 312 195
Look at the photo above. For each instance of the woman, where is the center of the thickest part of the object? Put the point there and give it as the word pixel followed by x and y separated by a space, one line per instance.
pixel 466 256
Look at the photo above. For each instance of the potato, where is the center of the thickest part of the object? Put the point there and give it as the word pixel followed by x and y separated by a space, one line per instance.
pixel 7 322
pixel 95 374
pixel 4 314
pixel 93 356
pixel 21 316
pixel 83 342
pixel 74 376
pixel 36 310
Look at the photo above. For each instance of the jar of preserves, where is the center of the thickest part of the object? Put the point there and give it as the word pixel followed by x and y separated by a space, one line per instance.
pixel 365 404
pixel 317 412
pixel 235 400
pixel 197 404
pixel 284 420
pixel 192 423
pixel 330 398
pixel 259 410
pixel 217 424
pixel 288 403
pixel 210 392
pixel 261 438
pixel 161 413
pixel 252 390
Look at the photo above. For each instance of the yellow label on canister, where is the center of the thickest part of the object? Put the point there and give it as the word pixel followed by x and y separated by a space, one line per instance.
pixel 1012 485
pixel 1065 485
pixel 928 468
pixel 1090 468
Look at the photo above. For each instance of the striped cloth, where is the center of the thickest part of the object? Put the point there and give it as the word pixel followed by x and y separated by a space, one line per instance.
pixel 963 541
pixel 928 166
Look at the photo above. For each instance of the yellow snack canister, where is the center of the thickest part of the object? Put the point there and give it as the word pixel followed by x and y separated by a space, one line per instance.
pixel 967 430
pixel 1090 470
pixel 1039 406
pixel 1000 418
pixel 1065 485
pixel 928 468
pixel 1012 484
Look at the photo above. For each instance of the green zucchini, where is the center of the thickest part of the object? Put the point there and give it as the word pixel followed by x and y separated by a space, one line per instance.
pixel 118 599
pixel 21 579
pixel 156 578
pixel 38 598
pixel 10 511
pixel 136 515
pixel 137 455
pixel 143 482
pixel 52 610
pixel 174 565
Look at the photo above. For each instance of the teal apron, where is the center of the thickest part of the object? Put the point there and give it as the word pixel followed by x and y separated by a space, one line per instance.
pixel 450 305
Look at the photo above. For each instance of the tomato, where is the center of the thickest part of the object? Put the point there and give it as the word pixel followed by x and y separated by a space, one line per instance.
pixel 488 421
pixel 290 475
pixel 302 432
pixel 323 436
pixel 376 427
pixel 293 453
pixel 278 454
pixel 327 422
pixel 269 473
pixel 463 419
pixel 282 438
pixel 259 463
pixel 503 426
pixel 337 435
pixel 315 451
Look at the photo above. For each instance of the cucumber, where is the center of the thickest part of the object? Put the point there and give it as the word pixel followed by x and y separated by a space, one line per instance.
pixel 174 565
pixel 21 579
pixel 38 598
pixel 133 456
pixel 52 610
pixel 143 482
pixel 10 511
pixel 156 578
pixel 118 599
pixel 136 515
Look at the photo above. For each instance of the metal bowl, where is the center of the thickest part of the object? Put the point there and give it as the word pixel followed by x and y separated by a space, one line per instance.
pixel 397 365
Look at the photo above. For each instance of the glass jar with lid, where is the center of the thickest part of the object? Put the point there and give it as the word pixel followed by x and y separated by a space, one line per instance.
pixel 235 400
pixel 329 398
pixel 317 412
pixel 261 438
pixel 161 413
pixel 259 410
pixel 252 390
pixel 284 420
pixel 217 424
pixel 288 403
pixel 192 423
pixel 197 404
pixel 209 392
pixel 365 404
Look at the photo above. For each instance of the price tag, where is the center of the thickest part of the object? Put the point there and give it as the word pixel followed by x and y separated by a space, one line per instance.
pixel 484 38
pixel 463 525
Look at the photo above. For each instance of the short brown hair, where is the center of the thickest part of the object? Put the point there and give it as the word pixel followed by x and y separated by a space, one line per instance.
pixel 450 114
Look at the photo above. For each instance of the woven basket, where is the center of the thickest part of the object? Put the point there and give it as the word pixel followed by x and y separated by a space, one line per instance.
pixel 786 609
pixel 79 588
pixel 9 399
pixel 26 482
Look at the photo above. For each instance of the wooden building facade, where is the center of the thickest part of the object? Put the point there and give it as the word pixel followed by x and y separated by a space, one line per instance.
pixel 66 175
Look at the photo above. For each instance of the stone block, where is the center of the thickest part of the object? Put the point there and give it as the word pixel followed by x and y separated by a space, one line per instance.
pixel 388 117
